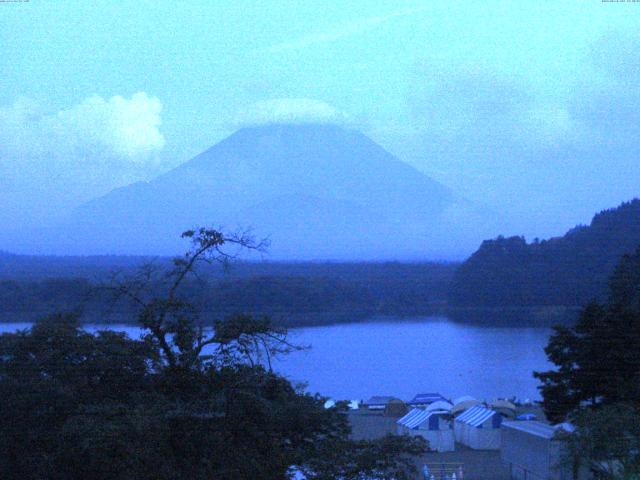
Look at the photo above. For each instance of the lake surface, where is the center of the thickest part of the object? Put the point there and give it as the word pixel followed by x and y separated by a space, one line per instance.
pixel 404 357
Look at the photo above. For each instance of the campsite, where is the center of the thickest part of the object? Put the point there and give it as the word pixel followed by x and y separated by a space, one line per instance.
pixel 468 438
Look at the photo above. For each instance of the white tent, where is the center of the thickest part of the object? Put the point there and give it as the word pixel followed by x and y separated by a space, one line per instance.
pixel 463 398
pixel 440 406
pixel 435 427
pixel 478 428
pixel 505 407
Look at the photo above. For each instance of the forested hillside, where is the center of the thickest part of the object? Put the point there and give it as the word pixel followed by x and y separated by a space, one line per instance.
pixel 569 270
pixel 292 293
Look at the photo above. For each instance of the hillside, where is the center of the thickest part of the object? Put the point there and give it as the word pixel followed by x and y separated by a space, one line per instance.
pixel 316 191
pixel 569 270
pixel 294 294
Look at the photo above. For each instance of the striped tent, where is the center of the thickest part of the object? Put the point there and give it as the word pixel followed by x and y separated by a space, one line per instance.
pixel 415 417
pixel 478 428
pixel 433 426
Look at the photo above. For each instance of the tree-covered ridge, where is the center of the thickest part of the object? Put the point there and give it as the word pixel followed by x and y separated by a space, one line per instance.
pixel 292 293
pixel 569 270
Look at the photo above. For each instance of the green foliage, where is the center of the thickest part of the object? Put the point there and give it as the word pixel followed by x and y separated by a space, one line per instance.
pixel 607 440
pixel 181 402
pixel 391 457
pixel 570 270
pixel 597 360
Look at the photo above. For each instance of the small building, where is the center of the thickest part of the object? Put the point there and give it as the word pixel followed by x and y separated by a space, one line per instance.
pixel 378 402
pixel 478 428
pixel 425 399
pixel 534 450
pixel 435 427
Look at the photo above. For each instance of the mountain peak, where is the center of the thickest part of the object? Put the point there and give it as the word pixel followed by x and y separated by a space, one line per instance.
pixel 318 190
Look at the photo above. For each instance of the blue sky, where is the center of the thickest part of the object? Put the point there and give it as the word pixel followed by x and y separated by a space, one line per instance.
pixel 531 108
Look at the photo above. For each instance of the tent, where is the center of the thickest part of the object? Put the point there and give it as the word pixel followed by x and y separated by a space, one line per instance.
pixel 463 398
pixel 505 407
pixel 478 428
pixel 435 427
pixel 440 406
pixel 527 416
pixel 463 403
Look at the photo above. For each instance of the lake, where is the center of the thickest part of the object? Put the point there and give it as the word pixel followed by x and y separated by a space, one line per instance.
pixel 404 357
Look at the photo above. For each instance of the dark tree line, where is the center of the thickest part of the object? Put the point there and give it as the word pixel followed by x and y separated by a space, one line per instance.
pixel 570 270
pixel 183 401
pixel 290 294
pixel 598 359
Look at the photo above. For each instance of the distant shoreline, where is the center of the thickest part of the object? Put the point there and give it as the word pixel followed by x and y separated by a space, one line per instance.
pixel 516 317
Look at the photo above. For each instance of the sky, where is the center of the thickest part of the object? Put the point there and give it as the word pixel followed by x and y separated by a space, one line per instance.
pixel 531 108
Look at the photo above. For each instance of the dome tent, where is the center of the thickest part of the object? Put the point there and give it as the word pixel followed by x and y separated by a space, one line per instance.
pixel 464 403
pixel 440 406
pixel 504 407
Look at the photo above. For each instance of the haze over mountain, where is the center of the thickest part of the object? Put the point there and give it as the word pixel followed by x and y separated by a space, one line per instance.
pixel 317 191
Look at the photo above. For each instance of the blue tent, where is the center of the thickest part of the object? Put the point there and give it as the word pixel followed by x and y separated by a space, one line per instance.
pixel 527 416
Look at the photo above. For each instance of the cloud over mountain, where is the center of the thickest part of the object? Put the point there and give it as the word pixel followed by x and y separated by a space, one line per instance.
pixel 289 111
pixel 316 191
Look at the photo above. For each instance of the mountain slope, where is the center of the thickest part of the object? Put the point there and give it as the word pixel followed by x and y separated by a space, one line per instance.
pixel 570 270
pixel 317 191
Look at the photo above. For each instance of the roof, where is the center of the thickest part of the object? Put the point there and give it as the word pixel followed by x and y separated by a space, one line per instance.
pixel 476 416
pixel 415 417
pixel 532 427
pixel 425 398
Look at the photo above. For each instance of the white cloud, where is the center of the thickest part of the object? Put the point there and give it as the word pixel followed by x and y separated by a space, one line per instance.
pixel 76 153
pixel 289 110
pixel 127 129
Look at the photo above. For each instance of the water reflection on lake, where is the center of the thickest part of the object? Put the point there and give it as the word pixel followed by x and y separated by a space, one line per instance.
pixel 405 357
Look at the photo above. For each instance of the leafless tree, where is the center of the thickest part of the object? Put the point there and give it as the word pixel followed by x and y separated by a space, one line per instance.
pixel 171 321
